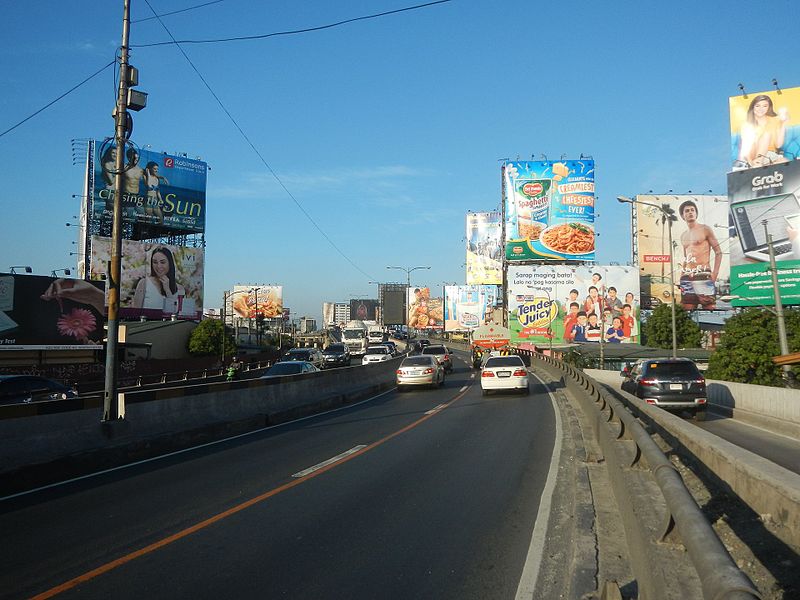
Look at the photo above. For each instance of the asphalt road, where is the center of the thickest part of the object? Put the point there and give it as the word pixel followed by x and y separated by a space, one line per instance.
pixel 434 495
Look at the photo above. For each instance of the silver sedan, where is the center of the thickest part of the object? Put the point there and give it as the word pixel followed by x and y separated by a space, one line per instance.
pixel 419 370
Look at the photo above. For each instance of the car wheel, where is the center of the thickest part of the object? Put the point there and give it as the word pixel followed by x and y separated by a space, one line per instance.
pixel 400 388
pixel 526 390
pixel 699 414
pixel 485 392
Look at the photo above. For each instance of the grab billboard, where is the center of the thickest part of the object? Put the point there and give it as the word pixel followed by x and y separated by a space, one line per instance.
pixel 158 280
pixel 50 313
pixel 549 210
pixel 484 248
pixel 699 253
pixel 560 304
pixel 764 207
pixel 467 307
pixel 161 190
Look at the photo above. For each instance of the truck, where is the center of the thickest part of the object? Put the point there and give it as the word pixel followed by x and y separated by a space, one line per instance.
pixel 354 335
pixel 376 334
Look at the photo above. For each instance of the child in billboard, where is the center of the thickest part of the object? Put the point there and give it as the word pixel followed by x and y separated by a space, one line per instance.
pixel 613 302
pixel 570 319
pixel 593 302
pixel 593 331
pixel 152 181
pixel 615 334
pixel 578 333
pixel 159 289
pixel 763 133
pixel 628 322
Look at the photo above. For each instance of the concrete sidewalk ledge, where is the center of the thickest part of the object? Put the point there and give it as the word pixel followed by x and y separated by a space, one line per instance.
pixel 47 447
pixel 768 489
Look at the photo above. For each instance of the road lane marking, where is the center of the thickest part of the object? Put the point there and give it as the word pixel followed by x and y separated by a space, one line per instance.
pixel 436 408
pixel 122 560
pixel 330 461
pixel 533 562
pixel 463 389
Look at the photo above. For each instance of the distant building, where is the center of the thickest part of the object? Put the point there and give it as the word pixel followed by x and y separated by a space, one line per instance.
pixel 307 324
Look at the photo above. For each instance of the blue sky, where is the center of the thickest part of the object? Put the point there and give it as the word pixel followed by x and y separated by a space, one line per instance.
pixel 386 131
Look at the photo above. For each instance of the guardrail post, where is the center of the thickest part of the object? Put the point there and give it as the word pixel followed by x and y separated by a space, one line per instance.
pixel 185 375
pixel 139 381
pixel 205 373
pixel 163 378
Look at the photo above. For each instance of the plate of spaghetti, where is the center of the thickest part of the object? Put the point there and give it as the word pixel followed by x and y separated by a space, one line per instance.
pixel 568 238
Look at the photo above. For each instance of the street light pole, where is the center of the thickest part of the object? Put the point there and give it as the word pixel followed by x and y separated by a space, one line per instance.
pixel 782 340
pixel 668 214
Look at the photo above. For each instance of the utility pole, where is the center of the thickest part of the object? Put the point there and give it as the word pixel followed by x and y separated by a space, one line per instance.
pixel 111 410
pixel 782 340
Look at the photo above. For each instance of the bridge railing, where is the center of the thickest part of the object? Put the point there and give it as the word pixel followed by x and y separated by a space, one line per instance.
pixel 627 445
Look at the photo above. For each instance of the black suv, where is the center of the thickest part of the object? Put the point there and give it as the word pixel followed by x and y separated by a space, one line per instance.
pixel 674 384
pixel 335 355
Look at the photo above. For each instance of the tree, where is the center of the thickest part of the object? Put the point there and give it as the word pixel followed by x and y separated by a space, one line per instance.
pixel 657 330
pixel 749 342
pixel 207 338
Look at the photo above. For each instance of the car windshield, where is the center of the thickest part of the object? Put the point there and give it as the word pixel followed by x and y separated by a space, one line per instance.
pixel 505 361
pixel 297 355
pixel 285 369
pixel 417 361
pixel 377 350
pixel 333 349
pixel 434 350
pixel 672 369
pixel 353 334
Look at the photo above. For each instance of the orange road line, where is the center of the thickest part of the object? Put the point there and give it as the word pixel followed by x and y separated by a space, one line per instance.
pixel 110 566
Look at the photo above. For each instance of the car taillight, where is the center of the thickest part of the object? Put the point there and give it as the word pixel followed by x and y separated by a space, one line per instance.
pixel 648 381
pixel 701 400
pixel 650 401
pixel 701 381
pixel 399 372
pixel 446 357
pixel 487 374
pixel 428 371
pixel 520 373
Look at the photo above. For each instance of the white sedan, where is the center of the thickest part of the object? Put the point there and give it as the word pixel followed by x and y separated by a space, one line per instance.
pixel 376 354
pixel 419 370
pixel 504 373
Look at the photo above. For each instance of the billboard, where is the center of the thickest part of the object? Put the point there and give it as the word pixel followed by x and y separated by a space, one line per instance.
pixel 327 314
pixel 160 190
pixel 765 128
pixel 394 305
pixel 50 313
pixel 158 280
pixel 363 310
pixel 764 201
pixel 424 312
pixel 560 304
pixel 466 307
pixel 699 251
pixel 250 301
pixel 484 248
pixel 549 210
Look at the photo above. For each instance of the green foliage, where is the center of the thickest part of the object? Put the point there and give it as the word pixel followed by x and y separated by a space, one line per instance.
pixel 207 338
pixel 657 330
pixel 748 344
pixel 574 357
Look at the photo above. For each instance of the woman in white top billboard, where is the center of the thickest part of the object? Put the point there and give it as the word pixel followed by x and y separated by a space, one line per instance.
pixel 159 290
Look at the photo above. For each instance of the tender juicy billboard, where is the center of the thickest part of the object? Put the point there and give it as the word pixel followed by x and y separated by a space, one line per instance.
pixel 157 279
pixel 764 205
pixel 560 304
pixel 549 210
pixel 467 307
pixel 42 313
pixel 765 128
pixel 699 253
pixel 484 249
pixel 160 190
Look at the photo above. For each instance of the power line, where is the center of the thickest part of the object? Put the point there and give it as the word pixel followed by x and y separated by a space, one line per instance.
pixel 175 12
pixel 292 32
pixel 263 160
pixel 49 104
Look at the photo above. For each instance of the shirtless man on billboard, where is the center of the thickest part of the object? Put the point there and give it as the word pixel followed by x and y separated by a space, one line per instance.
pixel 698 277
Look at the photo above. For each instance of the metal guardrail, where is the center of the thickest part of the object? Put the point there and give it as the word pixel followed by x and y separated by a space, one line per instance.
pixel 718 573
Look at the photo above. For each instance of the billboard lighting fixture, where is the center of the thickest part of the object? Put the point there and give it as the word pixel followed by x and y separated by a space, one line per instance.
pixel 741 89
pixel 54 271
pixel 27 269
pixel 775 83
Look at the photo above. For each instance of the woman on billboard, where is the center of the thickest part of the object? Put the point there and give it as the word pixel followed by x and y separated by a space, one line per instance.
pixel 763 133
pixel 159 289
pixel 152 181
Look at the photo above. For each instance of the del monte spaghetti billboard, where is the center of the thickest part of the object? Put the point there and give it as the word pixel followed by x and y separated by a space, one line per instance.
pixel 549 210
